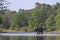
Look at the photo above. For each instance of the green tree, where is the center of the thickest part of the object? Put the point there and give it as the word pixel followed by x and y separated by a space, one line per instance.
pixel 58 16
pixel 20 19
pixel 50 23
pixel 7 19
pixel 0 20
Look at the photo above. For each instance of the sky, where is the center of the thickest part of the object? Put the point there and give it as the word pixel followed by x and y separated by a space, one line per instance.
pixel 28 4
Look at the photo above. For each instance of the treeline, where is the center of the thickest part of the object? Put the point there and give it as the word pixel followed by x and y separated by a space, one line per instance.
pixel 43 15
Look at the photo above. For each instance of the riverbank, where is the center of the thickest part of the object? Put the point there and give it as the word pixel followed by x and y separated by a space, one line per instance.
pixel 52 32
pixel 8 31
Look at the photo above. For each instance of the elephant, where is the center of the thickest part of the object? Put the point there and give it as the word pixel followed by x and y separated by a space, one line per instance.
pixel 39 30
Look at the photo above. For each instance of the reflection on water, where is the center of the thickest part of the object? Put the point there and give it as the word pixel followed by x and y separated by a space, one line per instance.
pixel 39 38
pixel 29 38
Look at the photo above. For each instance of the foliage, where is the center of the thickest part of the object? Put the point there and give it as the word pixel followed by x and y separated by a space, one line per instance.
pixel 43 15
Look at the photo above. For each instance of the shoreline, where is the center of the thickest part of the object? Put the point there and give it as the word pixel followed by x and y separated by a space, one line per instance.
pixel 44 32
pixel 35 32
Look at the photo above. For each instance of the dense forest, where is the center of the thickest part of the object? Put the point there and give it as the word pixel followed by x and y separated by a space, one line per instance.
pixel 42 15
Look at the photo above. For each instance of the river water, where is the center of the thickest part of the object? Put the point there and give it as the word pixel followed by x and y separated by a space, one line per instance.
pixel 28 36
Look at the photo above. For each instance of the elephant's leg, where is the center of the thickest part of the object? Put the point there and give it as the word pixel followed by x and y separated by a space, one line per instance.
pixel 38 32
pixel 41 32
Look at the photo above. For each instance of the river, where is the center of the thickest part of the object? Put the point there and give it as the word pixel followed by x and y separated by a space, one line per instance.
pixel 28 36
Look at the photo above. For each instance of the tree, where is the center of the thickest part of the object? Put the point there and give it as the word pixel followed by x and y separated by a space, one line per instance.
pixel 43 11
pixel 20 19
pixel 57 18
pixel 7 18
pixel 3 4
pixel 50 23
pixel 0 20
